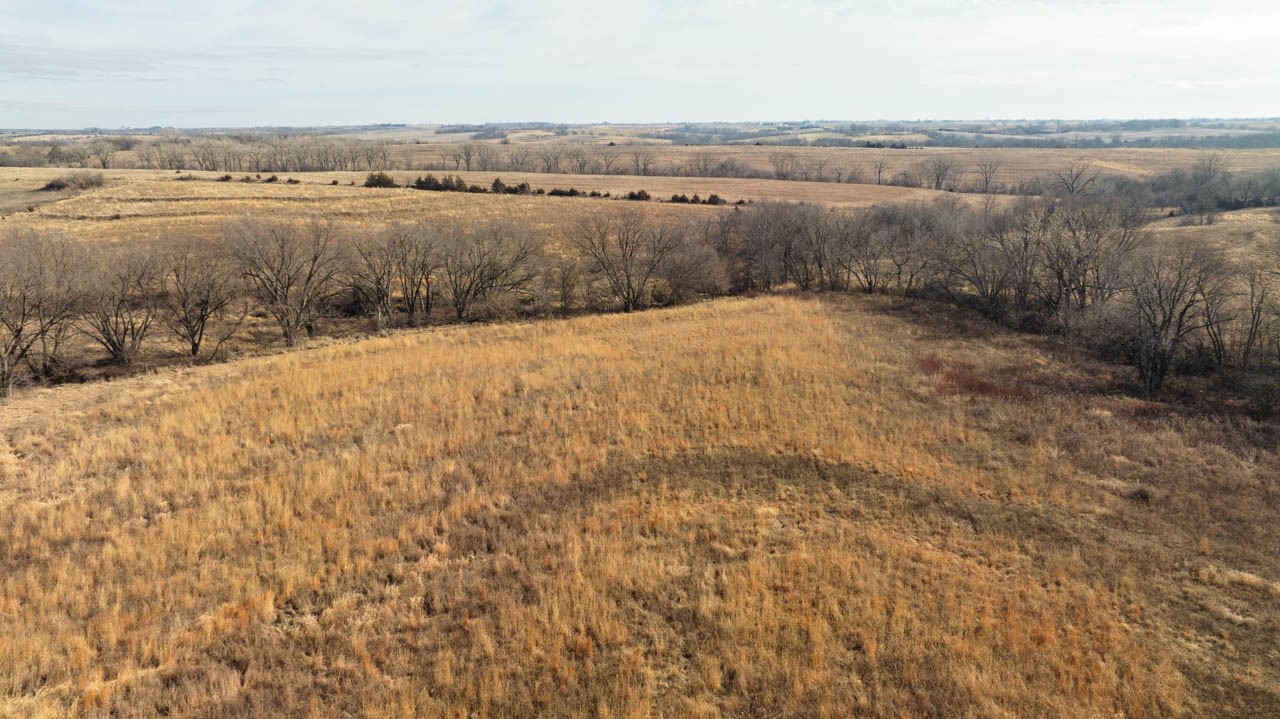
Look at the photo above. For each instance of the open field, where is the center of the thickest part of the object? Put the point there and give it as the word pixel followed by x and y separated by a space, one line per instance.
pixel 812 508
pixel 1245 235
pixel 147 205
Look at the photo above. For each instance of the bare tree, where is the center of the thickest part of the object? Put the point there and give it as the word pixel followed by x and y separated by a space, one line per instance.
pixel 39 297
pixel 939 170
pixel 879 167
pixel 859 249
pixel 1259 297
pixel 642 159
pixel 416 254
pixel 1074 180
pixel 1208 170
pixel 987 169
pixel 497 257
pixel 1234 310
pixel 818 168
pixel 703 164
pixel 454 155
pixel 468 154
pixel 608 158
pixel 104 150
pixel 122 303
pixel 291 269
pixel 551 155
pixel 802 238
pixel 908 237
pixel 486 158
pixel 579 158
pixel 1084 252
pixel 785 165
pixel 565 278
pixel 627 252
pixel 199 288
pixel 1167 291
pixel 518 159
pixel 372 277
pixel 692 269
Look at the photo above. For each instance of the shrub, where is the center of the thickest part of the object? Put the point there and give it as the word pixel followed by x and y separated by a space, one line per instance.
pixel 427 183
pixel 75 181
pixel 638 195
pixel 380 179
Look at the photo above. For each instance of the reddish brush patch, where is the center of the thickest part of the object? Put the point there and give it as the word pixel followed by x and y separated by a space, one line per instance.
pixel 933 364
pixel 961 377
pixel 966 382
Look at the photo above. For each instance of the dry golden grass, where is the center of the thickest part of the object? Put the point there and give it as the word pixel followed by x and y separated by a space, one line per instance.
pixel 753 507
pixel 142 205
pixel 1243 234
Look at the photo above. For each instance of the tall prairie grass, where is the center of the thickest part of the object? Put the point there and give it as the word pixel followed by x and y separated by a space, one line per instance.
pixel 752 507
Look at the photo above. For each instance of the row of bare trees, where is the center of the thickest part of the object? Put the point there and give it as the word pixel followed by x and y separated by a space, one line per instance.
pixel 284 153
pixel 221 153
pixel 1082 267
pixel 297 275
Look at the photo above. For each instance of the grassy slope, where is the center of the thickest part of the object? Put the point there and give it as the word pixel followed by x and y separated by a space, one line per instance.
pixel 752 507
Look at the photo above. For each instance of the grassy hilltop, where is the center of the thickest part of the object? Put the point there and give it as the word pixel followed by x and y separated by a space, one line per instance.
pixel 748 507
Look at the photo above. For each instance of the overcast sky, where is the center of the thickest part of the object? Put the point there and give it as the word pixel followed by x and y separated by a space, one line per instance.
pixel 71 64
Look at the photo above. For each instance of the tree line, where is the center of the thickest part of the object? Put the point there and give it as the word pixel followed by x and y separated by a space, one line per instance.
pixel 299 275
pixel 1081 266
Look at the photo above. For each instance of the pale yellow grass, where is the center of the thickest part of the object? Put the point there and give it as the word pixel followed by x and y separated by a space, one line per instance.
pixel 761 507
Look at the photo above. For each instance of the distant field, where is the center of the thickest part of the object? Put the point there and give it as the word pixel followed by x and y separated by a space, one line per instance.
pixel 153 204
pixel 1016 164
pixel 1243 234
pixel 768 507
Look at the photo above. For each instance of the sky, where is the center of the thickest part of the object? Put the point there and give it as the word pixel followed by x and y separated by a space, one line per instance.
pixel 240 63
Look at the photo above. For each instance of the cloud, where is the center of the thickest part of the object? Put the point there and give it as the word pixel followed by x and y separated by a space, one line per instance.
pixel 331 61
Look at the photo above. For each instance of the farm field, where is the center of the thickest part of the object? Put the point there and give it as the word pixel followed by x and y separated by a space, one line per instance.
pixel 812 506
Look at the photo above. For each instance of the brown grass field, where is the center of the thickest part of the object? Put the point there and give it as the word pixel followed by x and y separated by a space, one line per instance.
pixel 752 507
pixel 756 507
pixel 148 205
